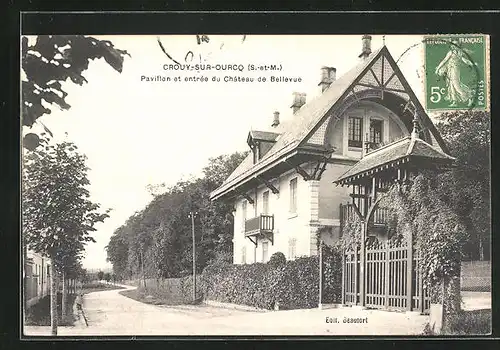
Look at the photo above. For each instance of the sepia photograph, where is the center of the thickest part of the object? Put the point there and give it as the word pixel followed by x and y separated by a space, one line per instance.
pixel 255 185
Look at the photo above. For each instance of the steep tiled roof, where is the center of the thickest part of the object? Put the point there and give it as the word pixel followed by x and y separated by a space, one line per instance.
pixel 303 121
pixel 405 147
pixel 293 131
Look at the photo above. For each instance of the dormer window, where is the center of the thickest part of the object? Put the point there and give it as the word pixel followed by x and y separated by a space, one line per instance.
pixel 260 142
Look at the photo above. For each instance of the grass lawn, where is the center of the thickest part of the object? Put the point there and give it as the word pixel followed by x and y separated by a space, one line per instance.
pixel 39 314
pixel 475 322
pixel 98 287
pixel 155 298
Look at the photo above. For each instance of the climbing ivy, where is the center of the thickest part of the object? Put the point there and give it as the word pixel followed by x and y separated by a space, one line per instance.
pixel 417 209
pixel 351 233
pixel 437 231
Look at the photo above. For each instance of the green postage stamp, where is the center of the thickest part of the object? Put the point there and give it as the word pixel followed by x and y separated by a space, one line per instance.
pixel 456 72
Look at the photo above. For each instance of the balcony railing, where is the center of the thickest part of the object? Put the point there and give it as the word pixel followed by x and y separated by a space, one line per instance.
pixel 259 224
pixel 379 217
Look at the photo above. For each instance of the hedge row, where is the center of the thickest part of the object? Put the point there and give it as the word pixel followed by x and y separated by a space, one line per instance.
pixel 291 285
pixel 284 284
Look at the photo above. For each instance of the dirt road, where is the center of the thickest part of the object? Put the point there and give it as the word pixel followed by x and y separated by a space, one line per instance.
pixel 110 313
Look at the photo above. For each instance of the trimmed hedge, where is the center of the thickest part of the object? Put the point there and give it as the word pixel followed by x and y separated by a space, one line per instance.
pixel 292 285
pixel 284 284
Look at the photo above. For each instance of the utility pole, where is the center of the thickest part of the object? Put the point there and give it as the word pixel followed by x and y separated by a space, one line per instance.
pixel 192 215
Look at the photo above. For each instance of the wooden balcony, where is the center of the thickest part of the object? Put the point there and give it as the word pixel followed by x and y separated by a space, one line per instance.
pixel 379 217
pixel 262 225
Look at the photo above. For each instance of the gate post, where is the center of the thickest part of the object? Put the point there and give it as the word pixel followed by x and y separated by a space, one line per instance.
pixel 362 253
pixel 420 285
pixel 409 272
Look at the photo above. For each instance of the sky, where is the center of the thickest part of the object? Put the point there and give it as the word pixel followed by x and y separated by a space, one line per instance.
pixel 136 132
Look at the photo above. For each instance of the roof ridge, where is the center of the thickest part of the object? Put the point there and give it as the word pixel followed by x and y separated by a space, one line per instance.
pixel 434 148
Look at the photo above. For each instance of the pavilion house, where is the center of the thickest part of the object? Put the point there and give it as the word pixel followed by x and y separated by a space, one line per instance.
pixel 365 131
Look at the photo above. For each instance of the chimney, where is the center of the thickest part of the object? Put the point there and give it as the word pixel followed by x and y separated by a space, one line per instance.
pixel 366 46
pixel 299 99
pixel 276 119
pixel 328 75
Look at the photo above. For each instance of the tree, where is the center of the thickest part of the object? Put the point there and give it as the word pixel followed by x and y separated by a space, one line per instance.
pixel 158 238
pixel 468 136
pixel 100 275
pixel 58 215
pixel 52 60
pixel 107 277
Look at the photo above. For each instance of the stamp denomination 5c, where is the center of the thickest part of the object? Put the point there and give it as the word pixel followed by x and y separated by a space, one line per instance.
pixel 456 72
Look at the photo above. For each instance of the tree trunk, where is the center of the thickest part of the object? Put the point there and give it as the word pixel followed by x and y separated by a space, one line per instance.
pixel 53 299
pixel 64 296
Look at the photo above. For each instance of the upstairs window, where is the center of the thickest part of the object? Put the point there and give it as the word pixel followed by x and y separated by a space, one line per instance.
pixel 265 203
pixel 293 196
pixel 355 132
pixel 376 127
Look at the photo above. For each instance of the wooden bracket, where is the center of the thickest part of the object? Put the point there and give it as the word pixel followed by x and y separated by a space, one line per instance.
pixel 323 168
pixel 319 169
pixel 251 240
pixel 248 198
pixel 269 185
pixel 269 236
pixel 315 172
pixel 302 172
pixel 358 213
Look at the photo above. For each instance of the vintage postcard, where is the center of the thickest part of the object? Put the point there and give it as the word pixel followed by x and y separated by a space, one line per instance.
pixel 248 185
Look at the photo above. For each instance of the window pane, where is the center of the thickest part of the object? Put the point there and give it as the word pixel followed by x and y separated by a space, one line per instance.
pixel 265 202
pixel 376 131
pixel 355 128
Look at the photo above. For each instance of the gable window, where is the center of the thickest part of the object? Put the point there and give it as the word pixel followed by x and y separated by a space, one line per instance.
pixel 265 251
pixel 376 127
pixel 265 203
pixel 355 132
pixel 293 196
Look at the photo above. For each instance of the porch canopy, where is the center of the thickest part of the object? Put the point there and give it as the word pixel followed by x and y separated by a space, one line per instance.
pixel 407 154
